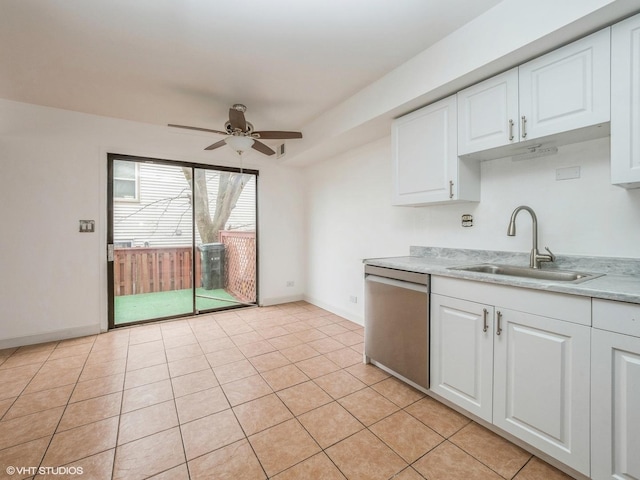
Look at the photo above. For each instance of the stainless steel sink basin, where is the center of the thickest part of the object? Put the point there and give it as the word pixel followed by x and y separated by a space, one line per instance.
pixel 526 272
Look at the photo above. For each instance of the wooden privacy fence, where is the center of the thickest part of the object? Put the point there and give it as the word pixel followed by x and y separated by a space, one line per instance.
pixel 147 270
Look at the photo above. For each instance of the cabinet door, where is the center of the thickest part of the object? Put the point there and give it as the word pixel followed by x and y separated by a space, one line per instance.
pixel 462 353
pixel 541 384
pixel 425 154
pixel 566 89
pixel 625 103
pixel 615 396
pixel 488 114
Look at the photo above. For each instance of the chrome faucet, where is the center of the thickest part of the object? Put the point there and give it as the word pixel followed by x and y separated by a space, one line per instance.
pixel 536 257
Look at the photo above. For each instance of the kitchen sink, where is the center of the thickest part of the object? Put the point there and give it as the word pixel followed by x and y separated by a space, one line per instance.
pixel 527 272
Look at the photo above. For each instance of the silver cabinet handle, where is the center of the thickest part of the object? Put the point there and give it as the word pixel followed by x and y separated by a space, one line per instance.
pixel 524 127
pixel 450 189
pixel 499 329
pixel 485 312
pixel 510 130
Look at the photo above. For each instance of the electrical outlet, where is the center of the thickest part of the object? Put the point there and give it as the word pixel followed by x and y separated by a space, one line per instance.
pixel 290 283
pixel 353 299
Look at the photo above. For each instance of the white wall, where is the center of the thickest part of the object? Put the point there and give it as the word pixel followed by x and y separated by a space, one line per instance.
pixel 53 172
pixel 350 216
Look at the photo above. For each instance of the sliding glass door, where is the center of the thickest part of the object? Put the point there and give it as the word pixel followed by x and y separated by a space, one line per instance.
pixel 225 221
pixel 182 239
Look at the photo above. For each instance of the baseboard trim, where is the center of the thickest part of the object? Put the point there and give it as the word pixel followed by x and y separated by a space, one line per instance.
pixel 267 302
pixel 52 336
pixel 333 309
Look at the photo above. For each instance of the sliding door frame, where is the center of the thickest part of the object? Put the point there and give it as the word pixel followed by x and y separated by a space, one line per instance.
pixel 110 234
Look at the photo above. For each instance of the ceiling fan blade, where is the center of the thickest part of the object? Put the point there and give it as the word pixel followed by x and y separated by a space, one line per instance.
pixel 216 145
pixel 198 128
pixel 278 135
pixel 262 148
pixel 237 120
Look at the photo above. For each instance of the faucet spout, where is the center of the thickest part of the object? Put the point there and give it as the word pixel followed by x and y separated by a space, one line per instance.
pixel 536 257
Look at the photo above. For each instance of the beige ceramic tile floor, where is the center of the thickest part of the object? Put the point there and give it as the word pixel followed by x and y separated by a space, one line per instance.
pixel 277 392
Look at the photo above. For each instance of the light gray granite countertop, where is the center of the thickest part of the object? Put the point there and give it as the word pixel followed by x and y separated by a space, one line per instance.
pixel 620 280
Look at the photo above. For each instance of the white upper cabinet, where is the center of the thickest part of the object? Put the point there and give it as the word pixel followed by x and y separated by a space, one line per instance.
pixel 559 98
pixel 488 114
pixel 563 96
pixel 625 103
pixel 425 160
pixel 566 89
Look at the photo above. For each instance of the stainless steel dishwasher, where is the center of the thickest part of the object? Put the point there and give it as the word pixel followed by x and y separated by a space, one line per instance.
pixel 396 316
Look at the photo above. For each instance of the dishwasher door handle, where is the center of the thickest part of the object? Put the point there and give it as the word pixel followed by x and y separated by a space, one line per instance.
pixel 397 283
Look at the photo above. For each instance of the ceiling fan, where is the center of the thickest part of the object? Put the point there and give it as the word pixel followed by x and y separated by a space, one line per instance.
pixel 240 134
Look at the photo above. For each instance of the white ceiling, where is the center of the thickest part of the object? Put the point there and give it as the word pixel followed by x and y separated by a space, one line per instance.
pixel 188 61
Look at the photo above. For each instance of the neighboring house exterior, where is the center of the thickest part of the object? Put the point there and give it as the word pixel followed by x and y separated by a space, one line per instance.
pixel 152 205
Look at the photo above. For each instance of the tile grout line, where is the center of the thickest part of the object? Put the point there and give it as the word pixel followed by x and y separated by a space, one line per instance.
pixel 44 455
pixel 246 437
pixel 175 405
pixel 124 381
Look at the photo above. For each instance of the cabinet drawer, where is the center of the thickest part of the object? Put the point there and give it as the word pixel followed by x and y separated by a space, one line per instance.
pixel 617 317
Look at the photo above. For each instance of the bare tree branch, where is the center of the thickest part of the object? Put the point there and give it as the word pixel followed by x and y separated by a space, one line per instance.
pixel 229 189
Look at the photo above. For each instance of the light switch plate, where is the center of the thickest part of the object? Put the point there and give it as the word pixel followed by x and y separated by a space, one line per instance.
pixel 87 226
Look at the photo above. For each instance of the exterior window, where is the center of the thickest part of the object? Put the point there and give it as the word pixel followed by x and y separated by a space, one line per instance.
pixel 125 181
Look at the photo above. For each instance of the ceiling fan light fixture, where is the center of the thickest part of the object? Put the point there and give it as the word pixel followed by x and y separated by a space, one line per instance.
pixel 239 143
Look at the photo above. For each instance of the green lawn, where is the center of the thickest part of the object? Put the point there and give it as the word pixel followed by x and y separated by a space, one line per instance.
pixel 146 306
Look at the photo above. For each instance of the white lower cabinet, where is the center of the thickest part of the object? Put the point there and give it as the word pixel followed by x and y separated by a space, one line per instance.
pixel 541 384
pixel 527 373
pixel 462 353
pixel 615 391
